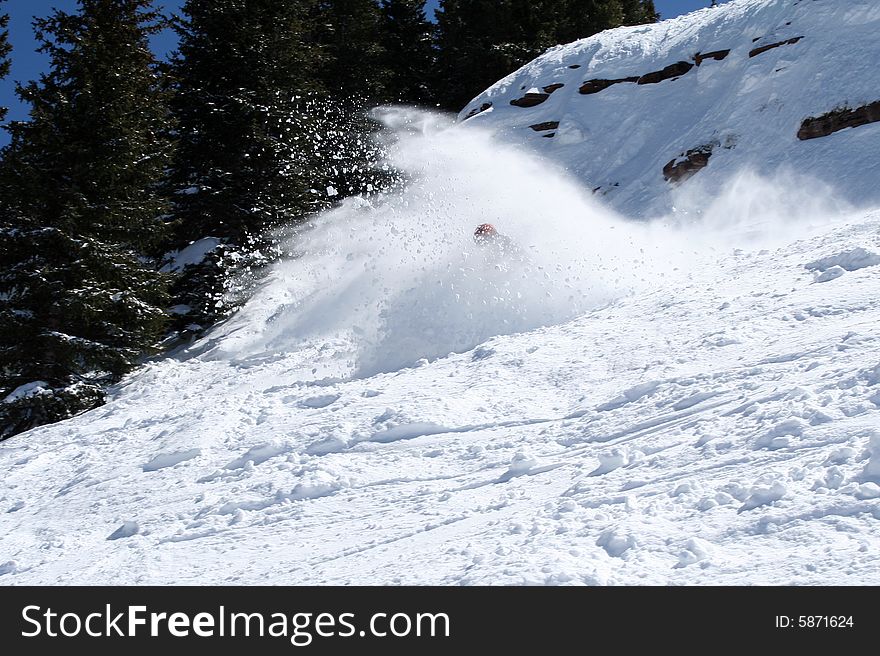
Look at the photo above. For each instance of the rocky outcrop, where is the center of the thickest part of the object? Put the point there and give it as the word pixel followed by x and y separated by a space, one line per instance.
pixel 530 100
pixel 717 55
pixel 757 51
pixel 686 165
pixel 478 110
pixel 595 86
pixel 838 119
pixel 546 125
pixel 672 71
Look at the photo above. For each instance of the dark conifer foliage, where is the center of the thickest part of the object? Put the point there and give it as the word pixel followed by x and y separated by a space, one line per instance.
pixel 480 41
pixel 351 54
pixel 583 18
pixel 239 80
pixel 80 300
pixel 468 32
pixel 408 52
pixel 260 143
pixel 636 12
pixel 5 49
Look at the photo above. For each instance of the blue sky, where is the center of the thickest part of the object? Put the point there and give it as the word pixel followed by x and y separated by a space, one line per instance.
pixel 27 64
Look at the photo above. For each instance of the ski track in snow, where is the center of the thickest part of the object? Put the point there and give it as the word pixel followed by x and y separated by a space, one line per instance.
pixel 721 441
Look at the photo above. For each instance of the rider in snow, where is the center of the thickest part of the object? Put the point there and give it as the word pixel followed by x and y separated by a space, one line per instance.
pixel 486 235
pixel 485 232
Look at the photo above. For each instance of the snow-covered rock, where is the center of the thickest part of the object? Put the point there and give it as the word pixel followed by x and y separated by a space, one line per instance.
pixel 659 116
pixel 27 390
pixel 194 253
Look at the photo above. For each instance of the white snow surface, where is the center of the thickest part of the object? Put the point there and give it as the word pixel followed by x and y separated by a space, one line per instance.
pixel 195 253
pixel 26 390
pixel 690 400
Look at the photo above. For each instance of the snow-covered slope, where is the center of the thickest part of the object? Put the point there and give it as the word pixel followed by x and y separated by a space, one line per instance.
pixel 724 431
pixel 690 400
pixel 747 107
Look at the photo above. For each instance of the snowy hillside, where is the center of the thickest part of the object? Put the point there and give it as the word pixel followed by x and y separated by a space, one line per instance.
pixel 691 400
pixel 723 88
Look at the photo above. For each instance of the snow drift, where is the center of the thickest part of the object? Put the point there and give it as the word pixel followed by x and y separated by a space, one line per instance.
pixel 398 277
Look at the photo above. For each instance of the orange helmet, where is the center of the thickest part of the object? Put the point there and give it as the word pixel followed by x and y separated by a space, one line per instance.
pixel 485 230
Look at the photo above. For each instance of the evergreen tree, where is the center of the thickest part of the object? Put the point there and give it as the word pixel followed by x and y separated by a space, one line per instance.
pixel 536 27
pixel 239 80
pixel 352 58
pixel 471 53
pixel 407 50
pixel 260 144
pixel 636 12
pixel 5 49
pixel 80 302
pixel 584 18
pixel 481 41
